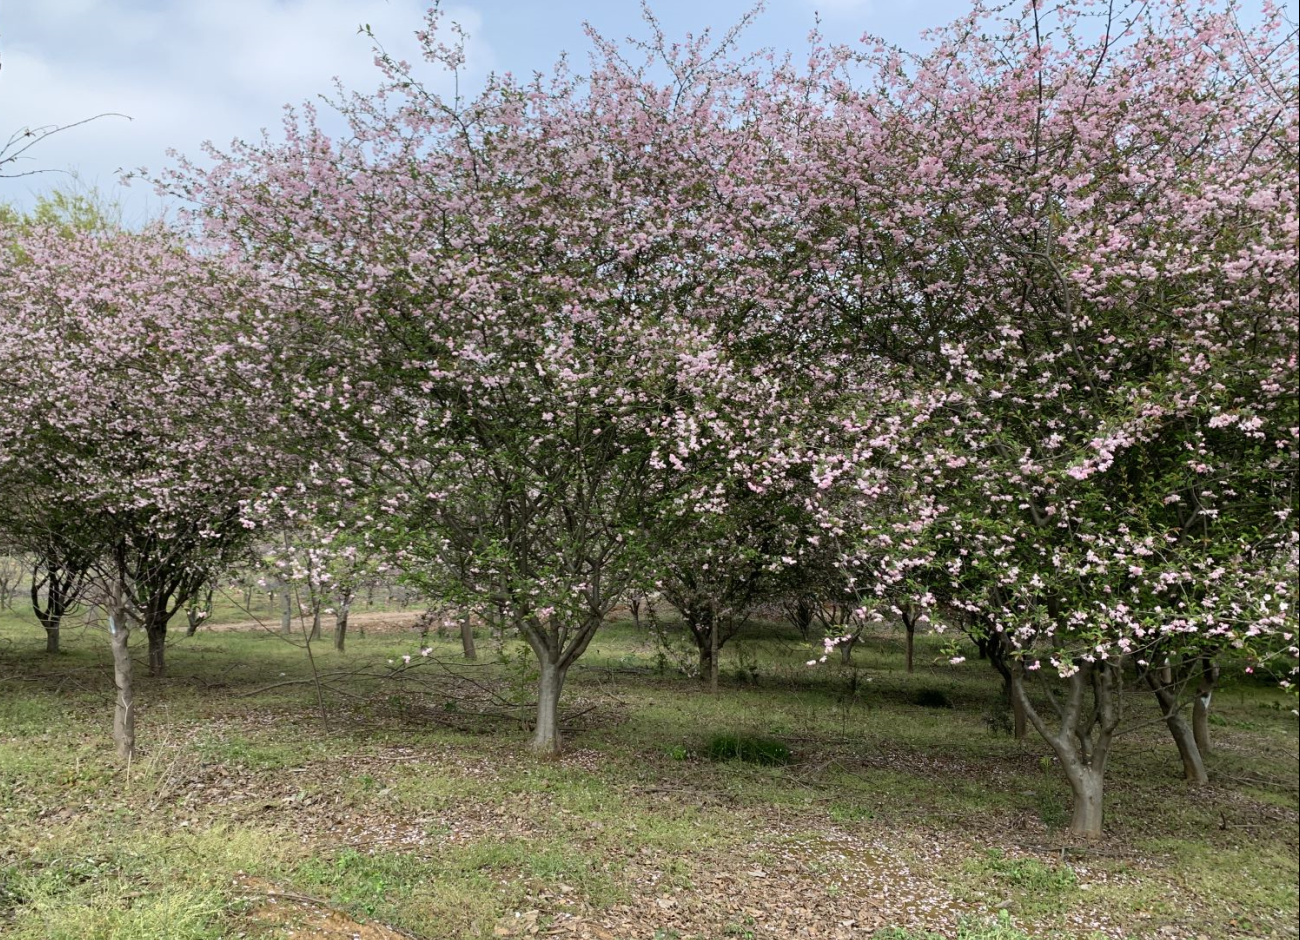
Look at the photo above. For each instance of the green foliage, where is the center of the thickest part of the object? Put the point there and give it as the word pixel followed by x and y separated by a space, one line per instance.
pixel 1028 874
pixel 1052 810
pixel 749 749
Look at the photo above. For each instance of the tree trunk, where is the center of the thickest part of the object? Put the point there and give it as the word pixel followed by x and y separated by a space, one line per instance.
pixel 155 628
pixel 706 662
pixel 1193 765
pixel 909 626
pixel 157 655
pixel 1161 683
pixel 341 626
pixel 1086 790
pixel 195 614
pixel 846 650
pixel 124 705
pixel 1019 722
pixel 713 655
pixel 467 638
pixel 991 648
pixel 1201 705
pixel 286 611
pixel 58 587
pixel 315 622
pixel 546 731
pixel 1082 744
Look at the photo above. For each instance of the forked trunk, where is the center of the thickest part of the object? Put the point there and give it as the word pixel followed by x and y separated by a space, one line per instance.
pixel 1086 790
pixel 546 731
pixel 467 638
pixel 909 625
pixel 1083 739
pixel 846 649
pixel 1161 683
pixel 1193 764
pixel 315 622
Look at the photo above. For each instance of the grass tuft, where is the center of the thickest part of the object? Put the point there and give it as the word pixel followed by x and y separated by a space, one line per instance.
pixel 749 749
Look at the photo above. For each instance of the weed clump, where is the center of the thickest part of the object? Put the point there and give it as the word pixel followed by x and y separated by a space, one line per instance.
pixel 749 749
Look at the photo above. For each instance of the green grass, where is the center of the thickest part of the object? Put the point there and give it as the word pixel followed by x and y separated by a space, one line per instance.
pixel 999 927
pixel 750 749
pixel 406 796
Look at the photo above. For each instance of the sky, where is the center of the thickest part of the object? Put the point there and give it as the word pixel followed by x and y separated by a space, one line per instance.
pixel 179 72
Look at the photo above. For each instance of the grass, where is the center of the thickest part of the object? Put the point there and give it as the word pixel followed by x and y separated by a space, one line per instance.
pixel 748 748
pixel 408 799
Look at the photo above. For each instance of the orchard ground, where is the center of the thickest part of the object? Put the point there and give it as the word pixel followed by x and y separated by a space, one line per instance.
pixel 376 800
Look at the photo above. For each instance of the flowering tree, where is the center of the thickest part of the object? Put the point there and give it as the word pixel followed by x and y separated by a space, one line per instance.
pixel 131 400
pixel 1077 231
pixel 516 319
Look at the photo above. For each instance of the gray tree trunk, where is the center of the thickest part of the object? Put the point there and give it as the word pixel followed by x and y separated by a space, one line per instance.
pixel 467 637
pixel 1019 722
pixel 52 638
pixel 1160 681
pixel 1086 788
pixel 341 624
pixel 546 731
pixel 286 611
pixel 124 704
pixel 315 622
pixel 1082 744
pixel 1201 705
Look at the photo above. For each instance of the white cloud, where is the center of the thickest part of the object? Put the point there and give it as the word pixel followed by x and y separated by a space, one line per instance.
pixel 184 71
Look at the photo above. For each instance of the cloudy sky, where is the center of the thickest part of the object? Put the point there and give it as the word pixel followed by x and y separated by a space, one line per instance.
pixel 182 71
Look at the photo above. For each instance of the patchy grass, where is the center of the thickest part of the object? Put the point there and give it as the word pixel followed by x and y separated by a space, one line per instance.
pixel 372 798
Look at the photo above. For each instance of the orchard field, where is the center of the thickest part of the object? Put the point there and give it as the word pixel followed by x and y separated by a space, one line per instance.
pixel 896 806
pixel 851 492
